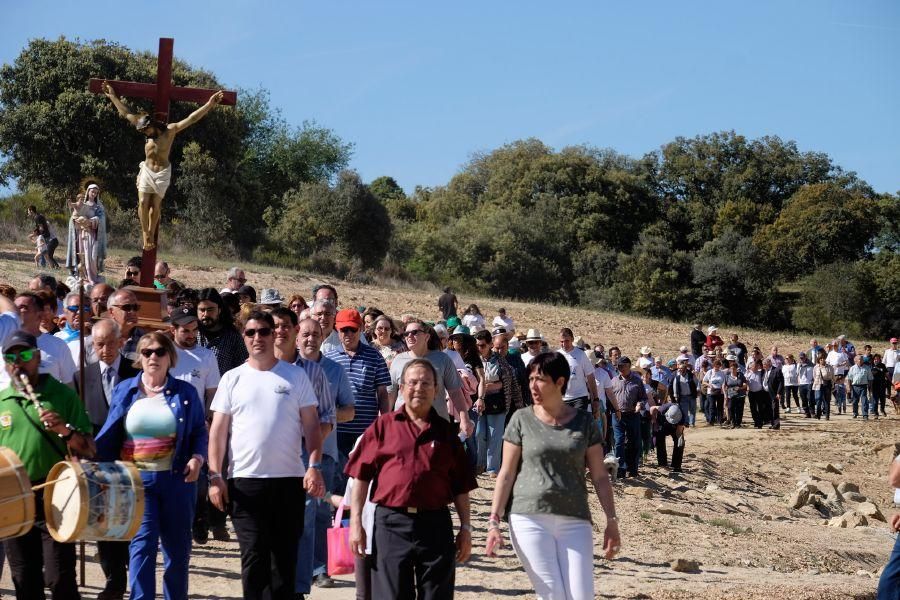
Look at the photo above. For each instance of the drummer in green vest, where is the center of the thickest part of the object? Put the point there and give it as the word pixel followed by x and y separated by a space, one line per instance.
pixel 40 438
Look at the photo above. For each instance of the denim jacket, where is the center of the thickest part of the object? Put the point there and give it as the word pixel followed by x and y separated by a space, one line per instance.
pixel 191 436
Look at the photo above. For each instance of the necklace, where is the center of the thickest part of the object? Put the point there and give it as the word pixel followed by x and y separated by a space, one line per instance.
pixel 152 389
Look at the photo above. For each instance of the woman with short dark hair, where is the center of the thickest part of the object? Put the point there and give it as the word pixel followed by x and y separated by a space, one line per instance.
pixel 546 449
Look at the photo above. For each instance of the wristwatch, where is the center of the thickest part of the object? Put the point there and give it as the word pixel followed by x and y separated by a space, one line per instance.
pixel 214 476
pixel 69 435
pixel 466 527
pixel 316 466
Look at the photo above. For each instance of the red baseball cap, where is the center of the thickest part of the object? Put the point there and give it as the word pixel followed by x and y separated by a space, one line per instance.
pixel 349 317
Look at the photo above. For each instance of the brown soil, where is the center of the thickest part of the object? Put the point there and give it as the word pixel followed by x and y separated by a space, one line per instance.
pixel 739 527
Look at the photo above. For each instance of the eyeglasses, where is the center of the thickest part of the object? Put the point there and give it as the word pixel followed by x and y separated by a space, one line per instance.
pixel 349 329
pixel 21 355
pixel 127 307
pixel 132 273
pixel 412 333
pixel 261 332
pixel 74 308
pixel 148 352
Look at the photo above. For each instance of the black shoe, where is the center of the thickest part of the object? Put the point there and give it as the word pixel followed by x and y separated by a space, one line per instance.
pixel 200 534
pixel 220 533
pixel 111 595
pixel 323 581
pixel 621 474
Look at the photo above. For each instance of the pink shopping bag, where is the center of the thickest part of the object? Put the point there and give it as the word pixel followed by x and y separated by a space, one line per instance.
pixel 340 558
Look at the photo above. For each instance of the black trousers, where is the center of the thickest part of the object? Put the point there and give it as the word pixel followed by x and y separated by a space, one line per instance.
pixel 36 557
pixel 758 401
pixel 52 245
pixel 737 410
pixel 581 403
pixel 268 518
pixel 414 555
pixel 668 431
pixel 114 563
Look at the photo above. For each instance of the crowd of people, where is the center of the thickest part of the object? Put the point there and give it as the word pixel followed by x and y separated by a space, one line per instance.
pixel 275 411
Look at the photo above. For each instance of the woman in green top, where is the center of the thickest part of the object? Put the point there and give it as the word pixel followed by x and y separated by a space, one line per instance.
pixel 546 448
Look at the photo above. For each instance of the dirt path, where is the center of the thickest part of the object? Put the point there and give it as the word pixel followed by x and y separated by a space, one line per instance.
pixel 737 525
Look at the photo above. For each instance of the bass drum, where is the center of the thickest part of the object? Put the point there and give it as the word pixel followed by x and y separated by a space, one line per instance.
pixel 94 501
pixel 16 497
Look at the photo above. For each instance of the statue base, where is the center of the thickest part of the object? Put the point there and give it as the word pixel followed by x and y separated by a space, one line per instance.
pixel 153 313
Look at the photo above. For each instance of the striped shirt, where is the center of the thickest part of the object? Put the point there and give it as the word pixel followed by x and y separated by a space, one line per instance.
pixel 321 388
pixel 343 397
pixel 366 371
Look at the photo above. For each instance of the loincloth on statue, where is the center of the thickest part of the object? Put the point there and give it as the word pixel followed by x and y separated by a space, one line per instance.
pixel 152 181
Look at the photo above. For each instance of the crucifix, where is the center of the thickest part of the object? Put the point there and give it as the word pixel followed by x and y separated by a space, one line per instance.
pixel 156 172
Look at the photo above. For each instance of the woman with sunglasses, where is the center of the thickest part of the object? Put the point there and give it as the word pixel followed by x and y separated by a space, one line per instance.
pixel 449 401
pixel 158 422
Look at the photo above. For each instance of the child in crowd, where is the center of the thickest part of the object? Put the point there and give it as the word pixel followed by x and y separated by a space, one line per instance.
pixel 40 255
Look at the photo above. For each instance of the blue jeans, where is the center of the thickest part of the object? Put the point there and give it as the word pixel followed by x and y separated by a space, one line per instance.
pixel 688 406
pixel 489 433
pixel 168 515
pixel 471 443
pixel 312 552
pixel 823 399
pixel 628 439
pixel 840 396
pixel 889 583
pixel 860 394
pixel 805 398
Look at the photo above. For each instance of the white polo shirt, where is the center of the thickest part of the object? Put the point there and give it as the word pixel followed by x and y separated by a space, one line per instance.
pixel 197 366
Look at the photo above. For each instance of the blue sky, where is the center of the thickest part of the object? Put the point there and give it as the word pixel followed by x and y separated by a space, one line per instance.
pixel 419 86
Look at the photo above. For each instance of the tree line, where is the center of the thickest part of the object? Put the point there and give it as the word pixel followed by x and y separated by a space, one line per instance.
pixel 716 227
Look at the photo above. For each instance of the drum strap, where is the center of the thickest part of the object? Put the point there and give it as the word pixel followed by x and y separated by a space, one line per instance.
pixel 43 432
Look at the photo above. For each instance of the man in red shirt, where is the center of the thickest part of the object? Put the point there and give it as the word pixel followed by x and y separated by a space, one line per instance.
pixel 421 467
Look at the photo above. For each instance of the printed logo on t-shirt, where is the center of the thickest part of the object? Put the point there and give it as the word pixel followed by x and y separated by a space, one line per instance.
pixel 5 420
pixel 195 374
pixel 283 389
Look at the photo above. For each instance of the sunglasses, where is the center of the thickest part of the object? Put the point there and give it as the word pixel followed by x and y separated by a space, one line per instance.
pixel 21 355
pixel 132 273
pixel 148 352
pixel 74 308
pixel 261 332
pixel 349 329
pixel 412 333
pixel 127 307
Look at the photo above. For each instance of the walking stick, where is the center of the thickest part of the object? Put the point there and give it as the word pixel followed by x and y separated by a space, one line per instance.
pixel 79 260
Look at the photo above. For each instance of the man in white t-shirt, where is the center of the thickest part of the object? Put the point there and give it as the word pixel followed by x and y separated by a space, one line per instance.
pixel 502 320
pixel 582 389
pixel 533 346
pixel 196 365
pixel 891 356
pixel 56 359
pixel 269 408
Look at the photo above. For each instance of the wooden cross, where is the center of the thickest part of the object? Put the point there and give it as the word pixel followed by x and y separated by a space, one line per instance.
pixel 162 92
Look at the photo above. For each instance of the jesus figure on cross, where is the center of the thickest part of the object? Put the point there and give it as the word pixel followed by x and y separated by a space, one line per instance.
pixel 155 172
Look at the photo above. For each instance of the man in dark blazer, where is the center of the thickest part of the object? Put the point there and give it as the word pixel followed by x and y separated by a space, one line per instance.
pixel 773 382
pixel 107 369
pixel 102 374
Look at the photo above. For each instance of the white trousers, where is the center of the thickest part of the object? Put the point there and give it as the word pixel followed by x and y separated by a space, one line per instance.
pixel 558 554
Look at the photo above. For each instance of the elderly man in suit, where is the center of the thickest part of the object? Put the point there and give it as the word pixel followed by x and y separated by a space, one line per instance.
pixel 107 369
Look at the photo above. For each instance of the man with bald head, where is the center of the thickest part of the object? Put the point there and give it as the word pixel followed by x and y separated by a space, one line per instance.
pixel 123 308
pixel 104 372
pixel 100 294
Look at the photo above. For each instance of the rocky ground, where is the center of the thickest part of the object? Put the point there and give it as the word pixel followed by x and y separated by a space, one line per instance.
pixel 765 514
